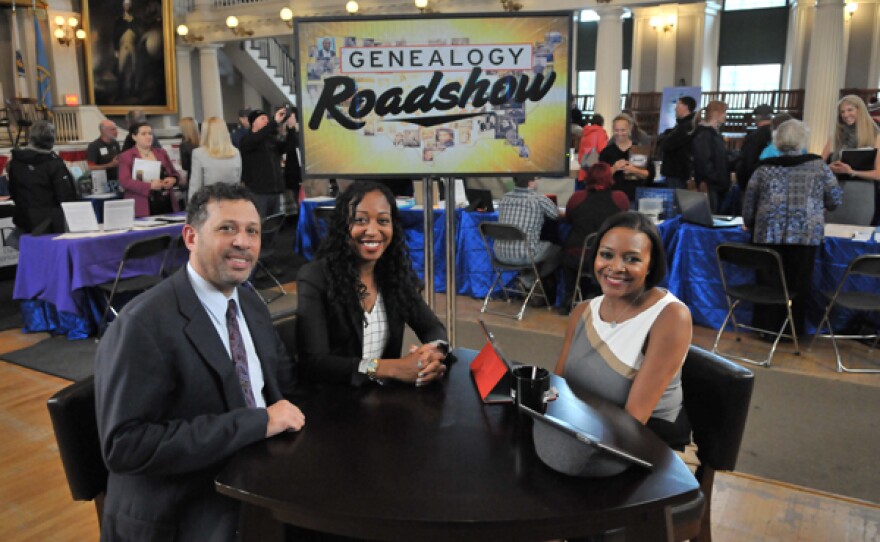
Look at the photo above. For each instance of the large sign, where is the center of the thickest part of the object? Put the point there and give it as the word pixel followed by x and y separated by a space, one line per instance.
pixel 434 95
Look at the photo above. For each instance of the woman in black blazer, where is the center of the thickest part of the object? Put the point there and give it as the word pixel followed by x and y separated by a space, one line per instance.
pixel 355 298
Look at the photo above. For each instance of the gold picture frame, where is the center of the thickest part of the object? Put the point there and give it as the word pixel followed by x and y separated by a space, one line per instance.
pixel 130 58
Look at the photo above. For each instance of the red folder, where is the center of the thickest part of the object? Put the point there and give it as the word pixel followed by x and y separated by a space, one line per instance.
pixel 488 370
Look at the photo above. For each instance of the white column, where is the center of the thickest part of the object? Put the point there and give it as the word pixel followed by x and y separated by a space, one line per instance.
pixel 250 96
pixel 874 64
pixel 212 98
pixel 665 75
pixel 640 16
pixel 609 61
pixel 707 32
pixel 185 98
pixel 823 84
pixel 796 43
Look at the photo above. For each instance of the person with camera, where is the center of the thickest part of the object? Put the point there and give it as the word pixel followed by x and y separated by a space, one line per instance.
pixel 261 151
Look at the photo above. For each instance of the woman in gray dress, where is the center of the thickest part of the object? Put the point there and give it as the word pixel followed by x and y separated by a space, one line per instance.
pixel 629 344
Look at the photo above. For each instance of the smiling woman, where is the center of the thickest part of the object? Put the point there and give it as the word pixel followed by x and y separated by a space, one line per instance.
pixel 354 300
pixel 628 345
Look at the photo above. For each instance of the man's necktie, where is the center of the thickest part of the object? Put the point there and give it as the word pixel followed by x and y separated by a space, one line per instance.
pixel 239 356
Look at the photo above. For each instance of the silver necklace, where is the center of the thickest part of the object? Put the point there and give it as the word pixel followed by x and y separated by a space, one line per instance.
pixel 619 314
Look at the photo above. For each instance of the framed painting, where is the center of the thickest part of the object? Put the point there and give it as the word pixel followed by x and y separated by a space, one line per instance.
pixel 130 55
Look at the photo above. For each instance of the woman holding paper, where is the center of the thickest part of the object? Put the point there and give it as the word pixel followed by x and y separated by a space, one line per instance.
pixel 356 298
pixel 855 130
pixel 147 175
pixel 629 344
pixel 629 167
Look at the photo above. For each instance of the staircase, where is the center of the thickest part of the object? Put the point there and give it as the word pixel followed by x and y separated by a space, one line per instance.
pixel 267 66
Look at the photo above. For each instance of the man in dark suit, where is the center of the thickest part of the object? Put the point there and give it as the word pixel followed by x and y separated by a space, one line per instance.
pixel 189 373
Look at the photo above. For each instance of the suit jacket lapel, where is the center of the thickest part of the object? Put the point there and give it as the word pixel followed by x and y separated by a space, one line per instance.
pixel 203 336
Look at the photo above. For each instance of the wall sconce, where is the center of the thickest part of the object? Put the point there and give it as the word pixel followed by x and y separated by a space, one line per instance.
pixel 64 30
pixel 850 8
pixel 667 25
pixel 421 4
pixel 232 23
pixel 287 16
pixel 352 7
pixel 510 5
pixel 183 32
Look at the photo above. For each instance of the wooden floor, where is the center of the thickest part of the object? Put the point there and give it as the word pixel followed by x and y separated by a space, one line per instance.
pixel 36 503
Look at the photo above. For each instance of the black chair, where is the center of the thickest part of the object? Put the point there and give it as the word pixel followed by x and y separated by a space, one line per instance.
pixel 271 226
pixel 136 250
pixel 493 231
pixel 717 394
pixel 582 273
pixel 177 256
pixel 773 291
pixel 867 265
pixel 72 411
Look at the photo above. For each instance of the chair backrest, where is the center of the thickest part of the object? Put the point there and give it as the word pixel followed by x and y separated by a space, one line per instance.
pixel 271 226
pixel 146 248
pixel 501 232
pixel 866 264
pixel 72 411
pixel 717 393
pixel 765 261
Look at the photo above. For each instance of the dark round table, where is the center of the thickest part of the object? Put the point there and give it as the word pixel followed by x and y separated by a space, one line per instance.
pixel 403 463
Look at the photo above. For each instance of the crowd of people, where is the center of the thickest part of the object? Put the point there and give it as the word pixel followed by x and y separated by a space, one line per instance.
pixel 213 376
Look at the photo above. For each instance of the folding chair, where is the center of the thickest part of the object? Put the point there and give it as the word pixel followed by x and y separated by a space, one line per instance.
pixel 582 273
pixel 493 231
pixel 867 265
pixel 774 292
pixel 136 250
pixel 177 252
pixel 271 226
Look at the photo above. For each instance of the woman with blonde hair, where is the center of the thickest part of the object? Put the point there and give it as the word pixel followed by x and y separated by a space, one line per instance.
pixel 216 161
pixel 189 141
pixel 855 130
pixel 629 168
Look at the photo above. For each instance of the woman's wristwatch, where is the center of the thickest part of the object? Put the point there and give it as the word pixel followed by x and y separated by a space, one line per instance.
pixel 372 367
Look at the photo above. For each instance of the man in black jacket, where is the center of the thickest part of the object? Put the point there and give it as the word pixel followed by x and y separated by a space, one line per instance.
pixel 753 145
pixel 676 166
pixel 261 151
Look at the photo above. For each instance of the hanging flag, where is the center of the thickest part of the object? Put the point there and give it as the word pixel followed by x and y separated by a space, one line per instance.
pixel 44 76
pixel 19 78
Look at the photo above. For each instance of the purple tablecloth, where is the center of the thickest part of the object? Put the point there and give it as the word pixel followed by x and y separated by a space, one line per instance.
pixel 60 272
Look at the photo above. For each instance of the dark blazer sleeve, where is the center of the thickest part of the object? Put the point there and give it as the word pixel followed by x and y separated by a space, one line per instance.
pixel 425 324
pixel 328 350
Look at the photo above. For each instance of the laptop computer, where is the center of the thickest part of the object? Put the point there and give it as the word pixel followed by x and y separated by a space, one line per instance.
pixel 695 209
pixel 501 392
pixel 479 199
pixel 586 439
pixel 80 216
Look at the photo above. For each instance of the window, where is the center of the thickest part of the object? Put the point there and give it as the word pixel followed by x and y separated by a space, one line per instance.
pixel 750 77
pixel 586 83
pixel 737 5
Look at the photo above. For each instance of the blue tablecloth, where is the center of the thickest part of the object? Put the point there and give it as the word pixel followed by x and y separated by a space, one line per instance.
pixel 694 277
pixel 55 275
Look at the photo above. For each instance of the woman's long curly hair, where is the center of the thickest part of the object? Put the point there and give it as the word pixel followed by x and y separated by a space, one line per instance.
pixel 394 275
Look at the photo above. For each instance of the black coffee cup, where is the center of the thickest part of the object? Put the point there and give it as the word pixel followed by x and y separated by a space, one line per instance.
pixel 531 387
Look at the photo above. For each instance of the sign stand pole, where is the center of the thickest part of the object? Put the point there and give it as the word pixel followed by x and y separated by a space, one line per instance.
pixel 428 223
pixel 451 286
